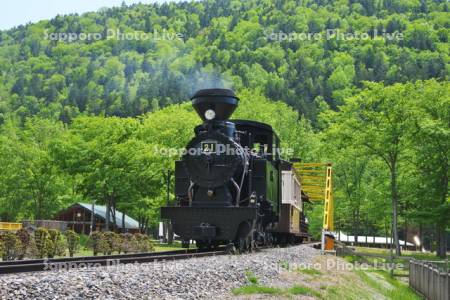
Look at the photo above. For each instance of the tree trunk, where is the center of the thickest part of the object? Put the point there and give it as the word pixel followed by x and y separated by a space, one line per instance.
pixel 108 210
pixel 394 196
pixel 113 214
pixel 406 234
pixel 123 222
pixel 441 233
pixel 113 210
pixel 356 224
pixel 441 238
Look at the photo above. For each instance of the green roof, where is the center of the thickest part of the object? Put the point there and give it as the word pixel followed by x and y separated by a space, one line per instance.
pixel 100 211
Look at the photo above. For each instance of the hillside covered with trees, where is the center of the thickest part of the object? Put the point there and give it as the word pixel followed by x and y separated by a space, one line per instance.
pixel 92 118
pixel 222 42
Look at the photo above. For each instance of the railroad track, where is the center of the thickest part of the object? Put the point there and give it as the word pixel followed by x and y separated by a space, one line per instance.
pixel 69 263
pixel 37 265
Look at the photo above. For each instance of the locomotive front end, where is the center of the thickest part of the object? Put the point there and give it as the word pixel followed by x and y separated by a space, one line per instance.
pixel 209 178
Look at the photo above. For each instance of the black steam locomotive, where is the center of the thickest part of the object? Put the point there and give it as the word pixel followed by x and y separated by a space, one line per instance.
pixel 231 185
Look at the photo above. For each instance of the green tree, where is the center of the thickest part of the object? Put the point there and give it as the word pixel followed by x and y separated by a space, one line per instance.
pixel 430 142
pixel 378 120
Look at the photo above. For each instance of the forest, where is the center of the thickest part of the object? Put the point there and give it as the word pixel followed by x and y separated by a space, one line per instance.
pixel 88 119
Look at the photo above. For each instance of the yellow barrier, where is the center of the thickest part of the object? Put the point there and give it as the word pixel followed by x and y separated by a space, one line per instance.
pixel 10 226
pixel 316 179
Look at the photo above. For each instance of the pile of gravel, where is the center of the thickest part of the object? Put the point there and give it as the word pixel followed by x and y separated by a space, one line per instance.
pixel 206 277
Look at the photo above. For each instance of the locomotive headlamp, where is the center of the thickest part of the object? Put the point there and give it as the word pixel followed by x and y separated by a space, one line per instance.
pixel 210 114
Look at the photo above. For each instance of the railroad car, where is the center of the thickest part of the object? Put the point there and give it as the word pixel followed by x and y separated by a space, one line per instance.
pixel 231 186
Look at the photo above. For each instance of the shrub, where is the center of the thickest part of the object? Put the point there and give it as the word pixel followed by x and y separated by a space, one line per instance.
pixel 2 247
pixel 111 242
pixel 24 239
pixel 129 243
pixel 32 250
pixel 144 244
pixel 42 241
pixel 57 244
pixel 119 242
pixel 11 246
pixel 96 242
pixel 73 241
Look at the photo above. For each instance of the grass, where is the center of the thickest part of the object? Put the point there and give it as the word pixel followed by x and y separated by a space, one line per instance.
pixel 397 290
pixel 355 284
pixel 251 277
pixel 159 247
pixel 368 286
pixel 254 288
pixel 405 253
pixel 284 265
pixel 312 272
pixel 266 290
pixel 303 290
pixel 84 249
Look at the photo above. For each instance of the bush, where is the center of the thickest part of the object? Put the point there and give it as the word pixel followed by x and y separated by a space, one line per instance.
pixel 32 250
pixel 24 238
pixel 42 242
pixel 73 241
pixel 2 247
pixel 111 242
pixel 57 244
pixel 96 242
pixel 11 245
pixel 144 244
pixel 129 243
pixel 119 242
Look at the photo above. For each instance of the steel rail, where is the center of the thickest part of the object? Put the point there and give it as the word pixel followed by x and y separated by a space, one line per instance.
pixel 96 261
pixel 69 264
pixel 88 258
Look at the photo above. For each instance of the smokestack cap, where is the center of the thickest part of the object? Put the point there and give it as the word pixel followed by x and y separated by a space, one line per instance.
pixel 215 104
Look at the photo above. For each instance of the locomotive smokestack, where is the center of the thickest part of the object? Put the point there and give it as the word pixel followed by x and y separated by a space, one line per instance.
pixel 215 104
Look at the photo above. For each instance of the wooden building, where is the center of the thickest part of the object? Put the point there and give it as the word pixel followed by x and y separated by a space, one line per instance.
pixel 78 217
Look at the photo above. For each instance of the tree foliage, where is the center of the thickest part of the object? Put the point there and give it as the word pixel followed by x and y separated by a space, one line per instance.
pixel 223 43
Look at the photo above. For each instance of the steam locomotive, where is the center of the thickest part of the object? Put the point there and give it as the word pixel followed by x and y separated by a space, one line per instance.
pixel 231 186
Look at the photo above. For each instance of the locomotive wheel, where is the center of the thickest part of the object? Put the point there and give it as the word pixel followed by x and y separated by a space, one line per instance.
pixel 245 241
pixel 242 245
pixel 247 244
pixel 230 248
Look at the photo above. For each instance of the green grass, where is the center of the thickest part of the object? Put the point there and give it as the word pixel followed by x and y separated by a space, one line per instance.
pixel 251 277
pixel 312 272
pixel 84 241
pixel 353 259
pixel 84 249
pixel 398 290
pixel 405 253
pixel 303 290
pixel 259 289
pixel 256 289
pixel 284 265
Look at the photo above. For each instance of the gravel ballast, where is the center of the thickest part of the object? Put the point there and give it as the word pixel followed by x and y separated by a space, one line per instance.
pixel 205 277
